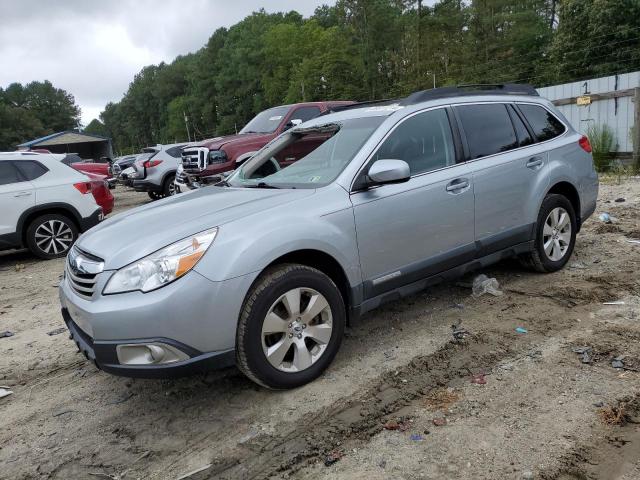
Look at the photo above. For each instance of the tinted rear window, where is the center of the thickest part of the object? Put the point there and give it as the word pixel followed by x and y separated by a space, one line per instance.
pixel 544 125
pixel 488 129
pixel 31 169
pixel 8 173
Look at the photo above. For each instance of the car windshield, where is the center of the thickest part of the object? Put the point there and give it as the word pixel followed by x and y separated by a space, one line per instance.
pixel 306 157
pixel 266 122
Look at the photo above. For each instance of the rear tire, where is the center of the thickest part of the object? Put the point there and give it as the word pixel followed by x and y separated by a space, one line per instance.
pixel 305 311
pixel 51 236
pixel 555 235
pixel 155 195
pixel 168 187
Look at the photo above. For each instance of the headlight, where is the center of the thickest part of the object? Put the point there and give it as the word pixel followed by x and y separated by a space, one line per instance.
pixel 162 267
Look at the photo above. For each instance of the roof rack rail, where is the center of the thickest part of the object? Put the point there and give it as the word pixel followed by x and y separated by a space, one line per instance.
pixel 368 103
pixel 471 89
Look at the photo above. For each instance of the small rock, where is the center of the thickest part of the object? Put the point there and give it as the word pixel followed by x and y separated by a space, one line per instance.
pixel 333 457
pixel 5 334
pixel 57 331
pixel 617 364
pixel 440 421
pixel 527 475
pixel 620 200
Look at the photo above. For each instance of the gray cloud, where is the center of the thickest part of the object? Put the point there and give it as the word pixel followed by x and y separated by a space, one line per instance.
pixel 93 49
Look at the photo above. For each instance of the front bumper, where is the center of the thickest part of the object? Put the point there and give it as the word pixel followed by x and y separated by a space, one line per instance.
pixel 104 356
pixel 194 315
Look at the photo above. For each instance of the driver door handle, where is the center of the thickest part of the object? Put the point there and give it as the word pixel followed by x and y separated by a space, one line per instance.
pixel 22 194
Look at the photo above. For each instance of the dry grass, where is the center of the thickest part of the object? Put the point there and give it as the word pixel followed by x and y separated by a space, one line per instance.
pixel 441 399
pixel 613 415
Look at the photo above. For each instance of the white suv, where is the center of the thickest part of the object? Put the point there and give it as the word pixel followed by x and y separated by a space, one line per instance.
pixel 44 204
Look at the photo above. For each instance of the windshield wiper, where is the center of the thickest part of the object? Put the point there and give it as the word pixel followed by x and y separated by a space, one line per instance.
pixel 261 185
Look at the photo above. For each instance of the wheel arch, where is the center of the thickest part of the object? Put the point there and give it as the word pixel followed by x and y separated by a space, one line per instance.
pixel 324 262
pixel 570 192
pixel 51 208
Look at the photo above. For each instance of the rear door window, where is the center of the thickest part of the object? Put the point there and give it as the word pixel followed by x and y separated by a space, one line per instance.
pixel 30 169
pixel 175 152
pixel 544 124
pixel 9 173
pixel 487 128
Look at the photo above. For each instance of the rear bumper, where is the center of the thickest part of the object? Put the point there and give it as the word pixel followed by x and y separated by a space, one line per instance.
pixel 145 186
pixel 92 220
pixel 104 356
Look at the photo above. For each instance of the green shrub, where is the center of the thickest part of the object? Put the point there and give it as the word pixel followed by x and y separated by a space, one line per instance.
pixel 603 143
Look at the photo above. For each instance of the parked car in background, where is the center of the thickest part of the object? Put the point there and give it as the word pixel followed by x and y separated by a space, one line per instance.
pixel 264 268
pixel 206 161
pixel 44 204
pixel 120 164
pixel 100 184
pixel 156 170
pixel 103 167
pixel 101 191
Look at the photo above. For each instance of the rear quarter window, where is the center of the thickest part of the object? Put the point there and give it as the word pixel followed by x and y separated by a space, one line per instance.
pixel 544 124
pixel 31 169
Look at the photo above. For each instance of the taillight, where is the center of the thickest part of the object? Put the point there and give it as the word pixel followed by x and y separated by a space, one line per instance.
pixel 151 163
pixel 585 144
pixel 83 187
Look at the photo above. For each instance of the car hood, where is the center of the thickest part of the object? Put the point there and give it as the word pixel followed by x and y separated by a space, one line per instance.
pixel 218 142
pixel 136 233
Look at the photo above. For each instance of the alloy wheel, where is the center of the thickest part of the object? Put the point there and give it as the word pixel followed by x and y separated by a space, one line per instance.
pixel 53 237
pixel 297 329
pixel 556 234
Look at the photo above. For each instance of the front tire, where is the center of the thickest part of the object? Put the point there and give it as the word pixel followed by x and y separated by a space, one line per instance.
pixel 290 327
pixel 555 235
pixel 51 236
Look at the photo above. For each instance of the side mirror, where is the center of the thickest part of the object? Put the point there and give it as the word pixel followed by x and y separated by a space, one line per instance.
pixel 292 123
pixel 389 171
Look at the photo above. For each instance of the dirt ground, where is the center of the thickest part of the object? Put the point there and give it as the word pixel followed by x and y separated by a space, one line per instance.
pixel 402 400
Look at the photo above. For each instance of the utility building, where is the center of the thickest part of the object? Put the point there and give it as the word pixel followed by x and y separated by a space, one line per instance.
pixel 612 101
pixel 87 145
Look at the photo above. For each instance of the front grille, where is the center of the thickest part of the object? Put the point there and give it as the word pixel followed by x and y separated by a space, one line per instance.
pixel 82 283
pixel 194 160
pixel 82 269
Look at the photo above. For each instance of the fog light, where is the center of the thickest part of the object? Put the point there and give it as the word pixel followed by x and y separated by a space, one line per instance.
pixel 149 354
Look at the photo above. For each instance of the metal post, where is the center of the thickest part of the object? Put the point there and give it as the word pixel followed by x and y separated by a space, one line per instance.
pixel 636 128
pixel 186 123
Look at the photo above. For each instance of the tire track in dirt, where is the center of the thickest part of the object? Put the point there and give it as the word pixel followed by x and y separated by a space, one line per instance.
pixel 358 419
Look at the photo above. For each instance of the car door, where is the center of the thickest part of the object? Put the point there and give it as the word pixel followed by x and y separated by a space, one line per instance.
pixel 411 230
pixel 507 170
pixel 16 196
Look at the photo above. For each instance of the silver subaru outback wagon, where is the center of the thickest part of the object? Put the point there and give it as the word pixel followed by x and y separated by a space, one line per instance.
pixel 265 269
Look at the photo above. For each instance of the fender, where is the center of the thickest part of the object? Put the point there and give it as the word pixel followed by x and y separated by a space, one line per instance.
pixel 167 174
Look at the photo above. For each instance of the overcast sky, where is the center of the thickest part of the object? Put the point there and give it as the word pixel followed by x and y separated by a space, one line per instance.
pixel 93 48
